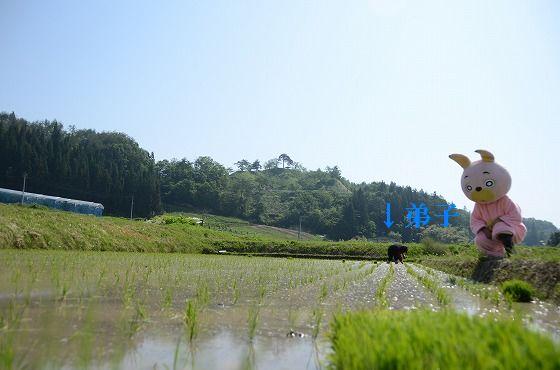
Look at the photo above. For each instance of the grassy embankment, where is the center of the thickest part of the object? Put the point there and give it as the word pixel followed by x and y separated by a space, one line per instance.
pixel 539 266
pixel 37 228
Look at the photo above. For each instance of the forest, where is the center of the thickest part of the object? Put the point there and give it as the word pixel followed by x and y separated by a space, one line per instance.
pixel 111 168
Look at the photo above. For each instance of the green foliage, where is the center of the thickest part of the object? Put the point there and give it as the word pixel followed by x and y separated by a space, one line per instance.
pixel 170 219
pixel 540 266
pixel 324 201
pixel 554 239
pixel 406 340
pixel 449 235
pixel 110 168
pixel 106 167
pixel 25 227
pixel 518 290
pixel 433 248
pixel 539 232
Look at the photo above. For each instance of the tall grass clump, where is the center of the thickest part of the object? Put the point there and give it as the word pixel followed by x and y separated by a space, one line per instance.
pixel 405 340
pixel 518 290
pixel 434 248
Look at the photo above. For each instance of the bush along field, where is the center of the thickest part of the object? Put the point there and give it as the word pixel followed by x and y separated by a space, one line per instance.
pixel 80 292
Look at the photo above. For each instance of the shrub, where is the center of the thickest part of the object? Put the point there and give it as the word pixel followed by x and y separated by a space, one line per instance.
pixel 518 290
pixel 177 219
pixel 434 248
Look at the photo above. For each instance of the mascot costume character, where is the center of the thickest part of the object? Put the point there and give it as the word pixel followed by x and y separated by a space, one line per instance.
pixel 496 220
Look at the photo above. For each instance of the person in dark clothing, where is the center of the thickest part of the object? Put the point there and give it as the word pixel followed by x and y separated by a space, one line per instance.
pixel 397 252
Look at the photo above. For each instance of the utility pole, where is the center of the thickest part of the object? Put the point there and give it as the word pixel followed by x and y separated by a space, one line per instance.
pixel 23 190
pixel 299 231
pixel 131 206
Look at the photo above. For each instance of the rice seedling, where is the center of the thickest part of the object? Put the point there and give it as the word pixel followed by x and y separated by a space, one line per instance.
pixel 324 292
pixel 202 293
pixel 64 291
pixel 190 319
pixel 167 298
pixel 236 292
pixel 252 321
pixel 262 293
pixel 85 338
pixel 292 317
pixel 375 340
pixel 381 292
pixel 432 285
pixel 317 319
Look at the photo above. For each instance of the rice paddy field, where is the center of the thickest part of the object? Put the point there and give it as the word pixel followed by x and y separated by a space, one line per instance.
pixel 124 310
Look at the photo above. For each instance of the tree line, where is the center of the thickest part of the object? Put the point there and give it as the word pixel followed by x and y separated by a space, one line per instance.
pixel 110 168
pixel 106 167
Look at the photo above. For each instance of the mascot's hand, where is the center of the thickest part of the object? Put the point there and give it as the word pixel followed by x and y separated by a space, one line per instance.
pixel 487 232
pixel 490 224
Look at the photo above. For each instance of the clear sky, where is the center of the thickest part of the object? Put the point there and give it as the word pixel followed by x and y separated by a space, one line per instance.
pixel 384 89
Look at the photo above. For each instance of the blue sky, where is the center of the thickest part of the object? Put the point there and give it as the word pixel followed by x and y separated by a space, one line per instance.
pixel 384 89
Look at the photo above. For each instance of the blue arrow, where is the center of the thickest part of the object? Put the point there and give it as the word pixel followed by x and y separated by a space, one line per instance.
pixel 388 221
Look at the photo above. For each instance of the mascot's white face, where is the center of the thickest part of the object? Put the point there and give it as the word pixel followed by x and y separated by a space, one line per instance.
pixel 483 181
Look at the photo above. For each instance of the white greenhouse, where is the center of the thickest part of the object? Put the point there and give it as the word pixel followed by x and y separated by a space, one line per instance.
pixel 65 204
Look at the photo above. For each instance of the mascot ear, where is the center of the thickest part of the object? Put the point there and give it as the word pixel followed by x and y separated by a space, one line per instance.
pixel 486 155
pixel 463 160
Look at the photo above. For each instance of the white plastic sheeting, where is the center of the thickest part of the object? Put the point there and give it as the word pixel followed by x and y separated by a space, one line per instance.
pixel 71 205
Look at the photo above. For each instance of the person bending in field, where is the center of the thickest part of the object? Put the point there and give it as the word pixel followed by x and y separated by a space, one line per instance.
pixel 396 253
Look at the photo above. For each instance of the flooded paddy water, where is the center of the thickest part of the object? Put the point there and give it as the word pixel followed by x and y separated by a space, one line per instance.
pixel 169 311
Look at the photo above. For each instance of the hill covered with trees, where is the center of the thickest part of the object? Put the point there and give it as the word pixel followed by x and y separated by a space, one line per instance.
pixel 110 168
pixel 106 167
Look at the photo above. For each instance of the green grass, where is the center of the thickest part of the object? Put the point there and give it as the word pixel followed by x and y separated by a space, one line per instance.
pixel 244 228
pixel 25 227
pixel 539 266
pixel 29 228
pixel 437 340
pixel 518 290
pixel 384 283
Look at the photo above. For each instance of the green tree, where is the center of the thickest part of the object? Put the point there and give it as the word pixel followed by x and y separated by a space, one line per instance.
pixel 554 239
pixel 243 165
pixel 285 159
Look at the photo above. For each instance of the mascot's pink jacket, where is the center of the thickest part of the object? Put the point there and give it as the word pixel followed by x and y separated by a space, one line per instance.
pixel 486 183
